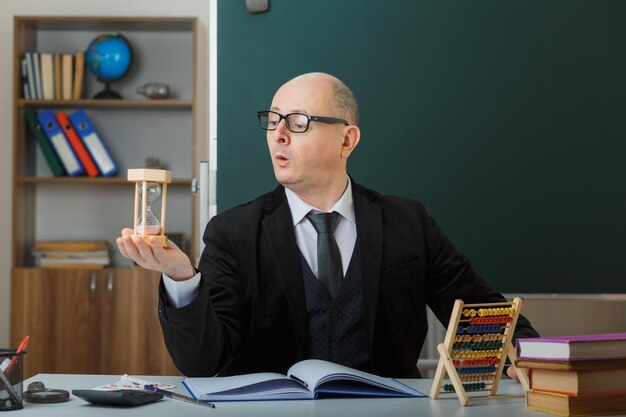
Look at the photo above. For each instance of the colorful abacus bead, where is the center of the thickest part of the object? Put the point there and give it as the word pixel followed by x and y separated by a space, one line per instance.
pixel 474 386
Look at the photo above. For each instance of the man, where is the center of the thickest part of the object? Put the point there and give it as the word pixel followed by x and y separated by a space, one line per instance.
pixel 269 291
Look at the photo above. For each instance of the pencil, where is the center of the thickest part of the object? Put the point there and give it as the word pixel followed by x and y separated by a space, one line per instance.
pixel 176 396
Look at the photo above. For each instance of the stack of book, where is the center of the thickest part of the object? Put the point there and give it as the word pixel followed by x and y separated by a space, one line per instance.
pixel 51 76
pixel 72 254
pixel 575 375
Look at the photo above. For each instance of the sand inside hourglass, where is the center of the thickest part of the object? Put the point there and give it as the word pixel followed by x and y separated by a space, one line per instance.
pixel 152 224
pixel 150 230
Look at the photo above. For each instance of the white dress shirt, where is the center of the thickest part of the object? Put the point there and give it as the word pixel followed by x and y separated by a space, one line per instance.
pixel 182 293
pixel 306 236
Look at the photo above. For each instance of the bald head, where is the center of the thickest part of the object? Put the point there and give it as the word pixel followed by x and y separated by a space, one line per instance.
pixel 340 96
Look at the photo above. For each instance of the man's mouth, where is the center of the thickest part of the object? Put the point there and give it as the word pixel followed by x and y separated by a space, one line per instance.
pixel 281 159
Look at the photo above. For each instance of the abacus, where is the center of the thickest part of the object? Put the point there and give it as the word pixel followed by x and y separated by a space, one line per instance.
pixel 477 343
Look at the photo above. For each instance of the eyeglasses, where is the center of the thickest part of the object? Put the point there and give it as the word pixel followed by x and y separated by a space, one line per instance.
pixel 296 122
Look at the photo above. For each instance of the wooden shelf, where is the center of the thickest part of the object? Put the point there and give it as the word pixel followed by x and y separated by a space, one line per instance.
pixel 88 180
pixel 130 103
pixel 107 23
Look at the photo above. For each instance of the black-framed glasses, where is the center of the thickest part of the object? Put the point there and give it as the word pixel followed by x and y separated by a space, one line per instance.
pixel 296 122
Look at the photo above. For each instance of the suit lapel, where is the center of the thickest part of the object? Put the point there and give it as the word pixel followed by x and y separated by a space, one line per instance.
pixel 369 225
pixel 281 239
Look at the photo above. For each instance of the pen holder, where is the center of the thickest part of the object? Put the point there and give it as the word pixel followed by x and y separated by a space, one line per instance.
pixel 11 381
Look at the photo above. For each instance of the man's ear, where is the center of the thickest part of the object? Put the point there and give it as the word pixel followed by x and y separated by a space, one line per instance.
pixel 351 138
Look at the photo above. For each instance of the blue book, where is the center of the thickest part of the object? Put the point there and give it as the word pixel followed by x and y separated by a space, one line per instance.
pixel 59 142
pixel 93 143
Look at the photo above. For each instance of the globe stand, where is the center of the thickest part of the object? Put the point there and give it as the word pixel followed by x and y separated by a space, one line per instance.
pixel 107 92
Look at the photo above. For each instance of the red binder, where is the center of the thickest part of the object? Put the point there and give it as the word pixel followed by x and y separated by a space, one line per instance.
pixel 77 144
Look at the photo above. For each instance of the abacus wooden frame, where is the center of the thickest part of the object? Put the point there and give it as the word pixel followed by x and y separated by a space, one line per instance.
pixel 446 365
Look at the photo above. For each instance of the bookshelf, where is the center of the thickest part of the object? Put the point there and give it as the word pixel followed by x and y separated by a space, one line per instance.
pixel 46 207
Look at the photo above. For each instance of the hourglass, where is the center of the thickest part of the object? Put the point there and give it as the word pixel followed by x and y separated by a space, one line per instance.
pixel 149 185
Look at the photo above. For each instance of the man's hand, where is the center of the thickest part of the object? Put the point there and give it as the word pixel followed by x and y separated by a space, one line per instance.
pixel 510 371
pixel 170 261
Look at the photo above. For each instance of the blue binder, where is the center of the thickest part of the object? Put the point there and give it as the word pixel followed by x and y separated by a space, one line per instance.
pixel 94 143
pixel 59 142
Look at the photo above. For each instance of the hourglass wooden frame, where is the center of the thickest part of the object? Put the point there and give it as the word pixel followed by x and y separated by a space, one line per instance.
pixel 141 177
pixel 477 343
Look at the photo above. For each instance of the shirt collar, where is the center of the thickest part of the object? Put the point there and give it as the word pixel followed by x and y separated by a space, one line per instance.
pixel 299 209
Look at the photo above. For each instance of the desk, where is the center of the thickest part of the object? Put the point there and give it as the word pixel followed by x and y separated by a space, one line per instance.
pixel 448 406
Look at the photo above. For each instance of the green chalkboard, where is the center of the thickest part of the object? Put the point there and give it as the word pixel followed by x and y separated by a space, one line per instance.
pixel 506 119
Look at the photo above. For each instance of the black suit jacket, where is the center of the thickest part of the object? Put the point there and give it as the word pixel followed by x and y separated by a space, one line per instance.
pixel 250 314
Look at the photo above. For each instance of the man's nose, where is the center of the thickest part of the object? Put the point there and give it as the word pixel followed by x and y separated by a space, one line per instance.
pixel 281 133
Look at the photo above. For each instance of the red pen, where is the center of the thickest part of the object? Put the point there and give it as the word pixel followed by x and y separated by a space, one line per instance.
pixel 20 348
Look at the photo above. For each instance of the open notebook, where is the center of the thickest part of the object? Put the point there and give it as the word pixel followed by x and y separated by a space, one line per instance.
pixel 304 380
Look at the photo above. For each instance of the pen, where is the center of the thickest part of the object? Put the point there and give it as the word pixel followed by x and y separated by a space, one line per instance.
pixel 299 380
pixel 176 396
pixel 20 348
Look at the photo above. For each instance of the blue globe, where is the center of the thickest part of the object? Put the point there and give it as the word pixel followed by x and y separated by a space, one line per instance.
pixel 109 57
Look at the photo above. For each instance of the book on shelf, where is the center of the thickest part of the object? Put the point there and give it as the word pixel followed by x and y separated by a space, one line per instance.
pixel 47 262
pixel 67 254
pixel 570 405
pixel 57 77
pixel 25 80
pixel 37 71
pixel 47 76
pixel 44 144
pixel 77 144
pixel 73 266
pixel 71 245
pixel 60 143
pixel 94 143
pixel 52 254
pixel 30 71
pixel 67 71
pixel 305 380
pixel 580 347
pixel 79 70
pixel 53 76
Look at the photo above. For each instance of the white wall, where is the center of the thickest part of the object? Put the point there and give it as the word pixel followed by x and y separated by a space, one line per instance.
pixel 10 8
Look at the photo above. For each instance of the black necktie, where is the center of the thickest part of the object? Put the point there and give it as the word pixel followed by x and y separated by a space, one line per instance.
pixel 329 269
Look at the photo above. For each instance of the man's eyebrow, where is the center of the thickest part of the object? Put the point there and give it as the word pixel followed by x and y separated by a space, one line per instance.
pixel 277 109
